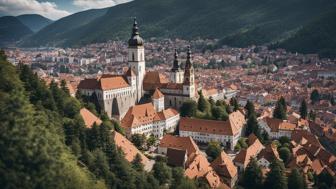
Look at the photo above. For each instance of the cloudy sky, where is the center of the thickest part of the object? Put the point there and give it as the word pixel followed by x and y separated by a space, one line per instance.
pixel 53 9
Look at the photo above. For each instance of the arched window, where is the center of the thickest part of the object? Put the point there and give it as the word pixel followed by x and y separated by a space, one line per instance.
pixel 133 57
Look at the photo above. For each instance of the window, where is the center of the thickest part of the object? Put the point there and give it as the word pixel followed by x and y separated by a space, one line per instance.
pixel 133 57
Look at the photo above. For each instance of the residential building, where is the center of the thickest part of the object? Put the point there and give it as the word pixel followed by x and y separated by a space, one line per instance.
pixel 225 168
pixel 226 132
pixel 244 156
pixel 277 128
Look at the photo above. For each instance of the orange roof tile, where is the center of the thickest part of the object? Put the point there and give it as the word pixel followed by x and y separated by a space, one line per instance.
pixel 245 155
pixel 157 94
pixel 129 150
pixel 105 82
pixel 224 166
pixel 230 127
pixel 199 167
pixel 167 113
pixel 110 83
pixel 278 124
pixel 269 153
pixel 89 118
pixel 183 143
pixel 138 115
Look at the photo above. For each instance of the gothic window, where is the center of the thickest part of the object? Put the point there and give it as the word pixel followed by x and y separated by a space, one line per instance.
pixel 133 57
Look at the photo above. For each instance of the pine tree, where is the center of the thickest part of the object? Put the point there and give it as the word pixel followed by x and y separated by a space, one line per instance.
pixel 137 163
pixel 315 96
pixel 252 177
pixel 283 102
pixel 296 180
pixel 279 111
pixel 312 115
pixel 219 113
pixel 285 154
pixel 203 105
pixel 162 172
pixel 213 150
pixel 64 87
pixel 249 109
pixel 276 178
pixel 303 109
pixel 332 100
pixel 234 104
pixel 212 102
pixel 188 109
pixel 252 126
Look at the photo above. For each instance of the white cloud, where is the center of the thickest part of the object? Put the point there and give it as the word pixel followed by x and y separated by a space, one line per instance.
pixel 18 7
pixel 95 4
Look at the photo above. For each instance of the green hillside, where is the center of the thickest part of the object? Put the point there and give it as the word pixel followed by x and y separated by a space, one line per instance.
pixel 237 22
pixel 34 22
pixel 60 31
pixel 12 30
pixel 319 36
pixel 44 142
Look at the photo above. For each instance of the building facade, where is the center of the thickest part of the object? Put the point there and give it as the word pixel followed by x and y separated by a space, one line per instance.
pixel 226 132
pixel 115 94
pixel 150 118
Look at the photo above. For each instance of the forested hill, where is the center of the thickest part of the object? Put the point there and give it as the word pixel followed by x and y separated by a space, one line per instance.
pixel 34 22
pixel 44 143
pixel 319 36
pixel 12 30
pixel 237 22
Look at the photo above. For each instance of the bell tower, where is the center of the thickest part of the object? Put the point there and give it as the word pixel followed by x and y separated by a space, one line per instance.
pixel 176 73
pixel 189 78
pixel 136 58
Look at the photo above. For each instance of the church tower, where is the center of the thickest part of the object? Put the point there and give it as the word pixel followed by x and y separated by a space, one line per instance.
pixel 136 58
pixel 176 73
pixel 189 78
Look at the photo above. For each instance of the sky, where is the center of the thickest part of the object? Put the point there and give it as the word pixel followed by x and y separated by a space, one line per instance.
pixel 52 9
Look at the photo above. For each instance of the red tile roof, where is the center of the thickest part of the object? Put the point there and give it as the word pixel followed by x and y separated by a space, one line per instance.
pixel 157 94
pixel 230 127
pixel 129 150
pixel 89 118
pixel 183 143
pixel 224 166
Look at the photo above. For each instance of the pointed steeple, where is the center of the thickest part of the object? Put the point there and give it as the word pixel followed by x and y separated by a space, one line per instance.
pixel 176 64
pixel 189 63
pixel 135 39
pixel 188 69
pixel 135 30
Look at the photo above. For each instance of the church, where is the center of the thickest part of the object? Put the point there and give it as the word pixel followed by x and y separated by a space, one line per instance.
pixel 116 94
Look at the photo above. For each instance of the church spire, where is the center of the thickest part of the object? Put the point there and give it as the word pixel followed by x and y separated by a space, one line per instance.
pixel 135 30
pixel 135 39
pixel 176 64
pixel 188 64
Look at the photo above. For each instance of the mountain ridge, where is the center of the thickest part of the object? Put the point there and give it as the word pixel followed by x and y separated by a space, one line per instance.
pixel 12 30
pixel 235 23
pixel 34 21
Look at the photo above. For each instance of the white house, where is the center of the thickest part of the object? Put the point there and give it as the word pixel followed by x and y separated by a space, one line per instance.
pixel 150 118
pixel 226 132
pixel 276 128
